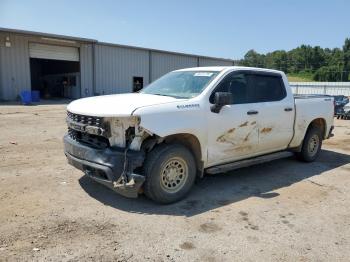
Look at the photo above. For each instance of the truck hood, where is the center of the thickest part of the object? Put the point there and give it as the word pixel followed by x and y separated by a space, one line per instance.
pixel 116 105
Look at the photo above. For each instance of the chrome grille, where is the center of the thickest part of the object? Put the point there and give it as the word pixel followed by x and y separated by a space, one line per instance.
pixel 86 120
pixel 77 130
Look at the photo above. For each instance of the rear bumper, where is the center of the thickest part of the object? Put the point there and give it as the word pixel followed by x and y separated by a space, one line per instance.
pixel 339 112
pixel 330 134
pixel 106 166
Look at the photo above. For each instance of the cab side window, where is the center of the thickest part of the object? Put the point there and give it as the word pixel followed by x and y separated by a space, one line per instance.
pixel 251 88
pixel 237 85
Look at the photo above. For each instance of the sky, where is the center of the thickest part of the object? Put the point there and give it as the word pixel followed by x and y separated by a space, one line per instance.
pixel 226 29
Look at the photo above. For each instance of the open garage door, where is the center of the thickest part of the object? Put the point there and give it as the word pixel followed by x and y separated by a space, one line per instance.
pixel 55 71
pixel 53 52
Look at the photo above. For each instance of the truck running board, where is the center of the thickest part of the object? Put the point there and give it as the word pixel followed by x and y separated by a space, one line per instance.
pixel 248 162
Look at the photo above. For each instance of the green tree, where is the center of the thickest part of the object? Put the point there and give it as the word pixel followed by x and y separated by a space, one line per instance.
pixel 329 74
pixel 253 59
pixel 277 60
pixel 346 51
pixel 323 64
pixel 317 58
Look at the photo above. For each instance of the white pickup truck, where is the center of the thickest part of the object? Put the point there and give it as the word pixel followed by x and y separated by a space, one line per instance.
pixel 192 122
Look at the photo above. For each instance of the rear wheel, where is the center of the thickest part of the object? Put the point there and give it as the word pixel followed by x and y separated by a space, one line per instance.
pixel 311 145
pixel 170 171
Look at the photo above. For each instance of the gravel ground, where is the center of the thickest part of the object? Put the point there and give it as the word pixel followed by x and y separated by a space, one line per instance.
pixel 284 210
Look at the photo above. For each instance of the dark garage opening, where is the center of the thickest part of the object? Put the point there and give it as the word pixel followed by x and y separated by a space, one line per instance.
pixel 137 83
pixel 55 78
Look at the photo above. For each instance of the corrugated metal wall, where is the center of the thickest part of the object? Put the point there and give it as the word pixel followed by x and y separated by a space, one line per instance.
pixel 162 63
pixel 116 67
pixel 214 62
pixel 86 70
pixel 14 66
pixel 109 71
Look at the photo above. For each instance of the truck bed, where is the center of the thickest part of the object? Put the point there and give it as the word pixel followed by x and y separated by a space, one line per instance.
pixel 304 96
pixel 309 108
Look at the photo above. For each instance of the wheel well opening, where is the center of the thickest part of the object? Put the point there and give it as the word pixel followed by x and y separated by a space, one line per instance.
pixel 192 143
pixel 319 123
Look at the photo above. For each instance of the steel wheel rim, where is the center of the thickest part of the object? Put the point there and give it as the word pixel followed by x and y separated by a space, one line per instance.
pixel 174 175
pixel 313 145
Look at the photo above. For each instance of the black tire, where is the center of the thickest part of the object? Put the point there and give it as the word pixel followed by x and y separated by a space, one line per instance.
pixel 311 145
pixel 338 117
pixel 163 168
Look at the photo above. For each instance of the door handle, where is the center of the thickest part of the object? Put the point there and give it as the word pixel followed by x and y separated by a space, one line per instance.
pixel 252 112
pixel 288 109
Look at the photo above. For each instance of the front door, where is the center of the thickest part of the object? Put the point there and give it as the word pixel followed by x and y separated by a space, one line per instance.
pixel 233 132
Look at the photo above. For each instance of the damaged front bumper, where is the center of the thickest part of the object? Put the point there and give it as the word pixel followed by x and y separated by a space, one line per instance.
pixel 112 167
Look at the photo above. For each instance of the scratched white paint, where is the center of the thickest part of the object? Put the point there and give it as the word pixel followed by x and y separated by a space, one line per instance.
pixel 254 135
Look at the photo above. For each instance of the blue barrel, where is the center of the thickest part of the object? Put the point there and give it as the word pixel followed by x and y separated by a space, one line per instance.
pixel 26 97
pixel 35 96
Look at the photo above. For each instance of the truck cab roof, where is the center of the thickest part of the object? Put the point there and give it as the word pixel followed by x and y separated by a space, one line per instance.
pixel 230 68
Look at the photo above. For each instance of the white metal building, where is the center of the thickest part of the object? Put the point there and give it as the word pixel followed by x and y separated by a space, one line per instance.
pixel 324 88
pixel 71 67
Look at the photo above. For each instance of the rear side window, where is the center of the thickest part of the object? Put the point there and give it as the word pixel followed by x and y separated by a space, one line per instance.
pixel 268 88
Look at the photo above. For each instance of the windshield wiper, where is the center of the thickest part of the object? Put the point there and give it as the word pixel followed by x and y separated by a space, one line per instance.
pixel 179 97
pixel 160 94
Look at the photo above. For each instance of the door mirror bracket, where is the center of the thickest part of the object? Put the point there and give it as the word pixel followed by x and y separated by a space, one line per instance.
pixel 221 99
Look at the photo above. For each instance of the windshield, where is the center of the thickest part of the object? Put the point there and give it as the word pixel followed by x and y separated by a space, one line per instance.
pixel 180 84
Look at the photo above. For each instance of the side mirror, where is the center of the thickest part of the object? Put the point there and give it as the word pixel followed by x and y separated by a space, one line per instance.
pixel 221 99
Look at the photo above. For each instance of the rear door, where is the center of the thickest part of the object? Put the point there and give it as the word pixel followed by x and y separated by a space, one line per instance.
pixel 276 112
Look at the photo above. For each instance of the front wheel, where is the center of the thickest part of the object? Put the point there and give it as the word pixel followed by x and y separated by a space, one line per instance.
pixel 170 171
pixel 311 145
